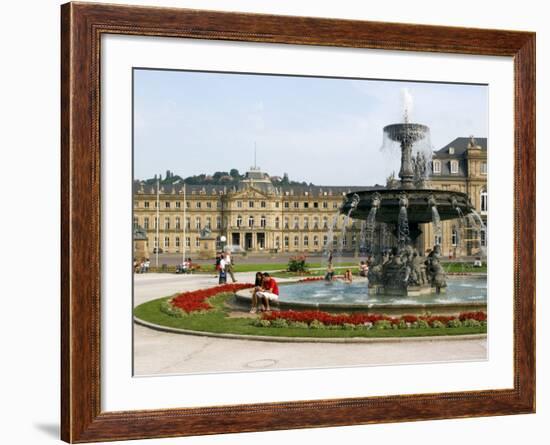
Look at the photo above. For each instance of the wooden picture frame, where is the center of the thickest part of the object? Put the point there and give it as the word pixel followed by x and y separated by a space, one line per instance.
pixel 82 26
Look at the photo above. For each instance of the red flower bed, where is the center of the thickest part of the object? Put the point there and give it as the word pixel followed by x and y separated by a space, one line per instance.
pixel 479 316
pixel 361 319
pixel 196 300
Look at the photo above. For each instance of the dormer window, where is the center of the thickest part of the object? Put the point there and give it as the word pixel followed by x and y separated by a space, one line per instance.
pixel 437 167
pixel 451 150
pixel 454 167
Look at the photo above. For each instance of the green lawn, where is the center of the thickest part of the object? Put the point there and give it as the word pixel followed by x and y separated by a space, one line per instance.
pixel 217 321
pixel 262 267
pixel 464 267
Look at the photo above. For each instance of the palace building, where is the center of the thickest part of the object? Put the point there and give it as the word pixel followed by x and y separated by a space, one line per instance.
pixel 257 216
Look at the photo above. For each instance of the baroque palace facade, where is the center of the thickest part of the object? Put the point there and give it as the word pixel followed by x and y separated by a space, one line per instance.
pixel 257 216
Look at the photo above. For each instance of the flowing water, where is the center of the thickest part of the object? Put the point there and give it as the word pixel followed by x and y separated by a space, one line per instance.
pixel 402 227
pixel 370 226
pixel 436 221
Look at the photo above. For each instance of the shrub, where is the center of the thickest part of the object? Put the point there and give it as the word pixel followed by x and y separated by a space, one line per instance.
pixel 316 324
pixel 471 323
pixel 258 322
pixel 348 326
pixel 454 323
pixel 423 324
pixel 279 323
pixel 297 264
pixel 382 324
pixel 437 324
pixel 298 324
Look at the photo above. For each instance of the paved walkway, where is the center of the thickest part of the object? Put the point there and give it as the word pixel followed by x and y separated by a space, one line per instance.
pixel 158 352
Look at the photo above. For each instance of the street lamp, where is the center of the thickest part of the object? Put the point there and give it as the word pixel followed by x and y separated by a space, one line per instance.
pixel 223 239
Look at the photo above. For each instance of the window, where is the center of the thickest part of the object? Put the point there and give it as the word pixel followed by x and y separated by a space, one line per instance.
pixel 156 223
pixel 277 242
pixel 296 222
pixel 188 204
pixel 188 242
pixel 218 222
pixel 353 240
pixel 454 167
pixel 436 167
pixel 208 223
pixel 306 241
pixel 296 204
pixel 316 241
pixel 178 223
pixel 166 242
pixel 156 241
pixel 198 204
pixel 315 222
pixel 239 204
pixel 239 221
pixel 197 223
pixel 146 204
pixel 454 237
pixel 315 205
pixel 483 201
pixel 136 223
pixel 262 204
pixel 166 223
pixel 197 242
pixel 335 205
pixel 325 239
pixel 344 241
pixel 325 205
pixel 483 238
pixel 167 204
pixel 286 223
pixel 251 204
pixel 306 205
pixel 437 240
pixel 263 221
pixel 277 222
pixel 296 241
pixel 188 223
pixel 306 222
pixel 325 222
pixel 178 204
pixel 286 241
pixel 250 221
pixel 156 204
pixel 209 205
pixel 484 168
pixel 277 204
pixel 451 150
pixel 287 205
pixel 146 223
pixel 177 241
pixel 218 204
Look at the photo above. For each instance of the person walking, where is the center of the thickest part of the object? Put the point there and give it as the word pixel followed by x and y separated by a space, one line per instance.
pixel 229 266
pixel 222 271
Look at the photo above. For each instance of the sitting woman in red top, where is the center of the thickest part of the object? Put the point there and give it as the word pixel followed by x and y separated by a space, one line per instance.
pixel 270 292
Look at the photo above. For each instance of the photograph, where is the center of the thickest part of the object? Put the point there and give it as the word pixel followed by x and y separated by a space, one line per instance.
pixel 298 222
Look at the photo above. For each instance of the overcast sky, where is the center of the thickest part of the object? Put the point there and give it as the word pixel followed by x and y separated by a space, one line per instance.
pixel 320 130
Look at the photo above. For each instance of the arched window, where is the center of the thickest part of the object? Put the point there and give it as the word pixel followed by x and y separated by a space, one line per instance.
pixel 166 242
pixel 296 241
pixel 177 241
pixel 178 223
pixel 436 167
pixel 454 167
pixel 277 222
pixel 296 222
pixel 286 223
pixel 315 222
pixel 209 222
pixel 197 223
pixel 306 241
pixel 146 223
pixel 306 222
pixel 250 221
pixel 277 242
pixel 325 222
pixel 483 200
pixel 316 241
pixel 325 239
pixel 263 221
pixel 166 223
pixel 286 241
pixel 239 221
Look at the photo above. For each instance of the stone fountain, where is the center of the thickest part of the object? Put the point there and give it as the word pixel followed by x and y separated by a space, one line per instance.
pixel 404 207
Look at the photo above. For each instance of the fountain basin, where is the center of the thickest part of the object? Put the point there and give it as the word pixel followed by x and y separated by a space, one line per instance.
pixel 463 294
pixel 419 208
pixel 406 132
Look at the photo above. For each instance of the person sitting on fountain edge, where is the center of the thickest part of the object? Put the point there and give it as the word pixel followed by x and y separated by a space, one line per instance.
pixel 270 292
pixel 257 288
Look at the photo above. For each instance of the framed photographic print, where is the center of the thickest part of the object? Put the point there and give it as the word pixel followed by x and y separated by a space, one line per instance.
pixel 274 222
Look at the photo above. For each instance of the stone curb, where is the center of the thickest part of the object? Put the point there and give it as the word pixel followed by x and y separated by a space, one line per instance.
pixel 308 339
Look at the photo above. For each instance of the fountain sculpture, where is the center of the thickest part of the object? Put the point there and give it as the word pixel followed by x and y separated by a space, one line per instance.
pixel 404 206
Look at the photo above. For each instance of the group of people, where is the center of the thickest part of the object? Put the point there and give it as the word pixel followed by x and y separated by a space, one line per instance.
pixel 348 276
pixel 142 266
pixel 265 291
pixel 185 267
pixel 224 266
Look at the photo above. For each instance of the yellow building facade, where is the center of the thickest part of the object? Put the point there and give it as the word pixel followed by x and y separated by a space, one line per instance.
pixel 257 216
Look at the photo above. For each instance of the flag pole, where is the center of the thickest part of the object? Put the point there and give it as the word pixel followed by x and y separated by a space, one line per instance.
pixel 184 223
pixel 158 224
